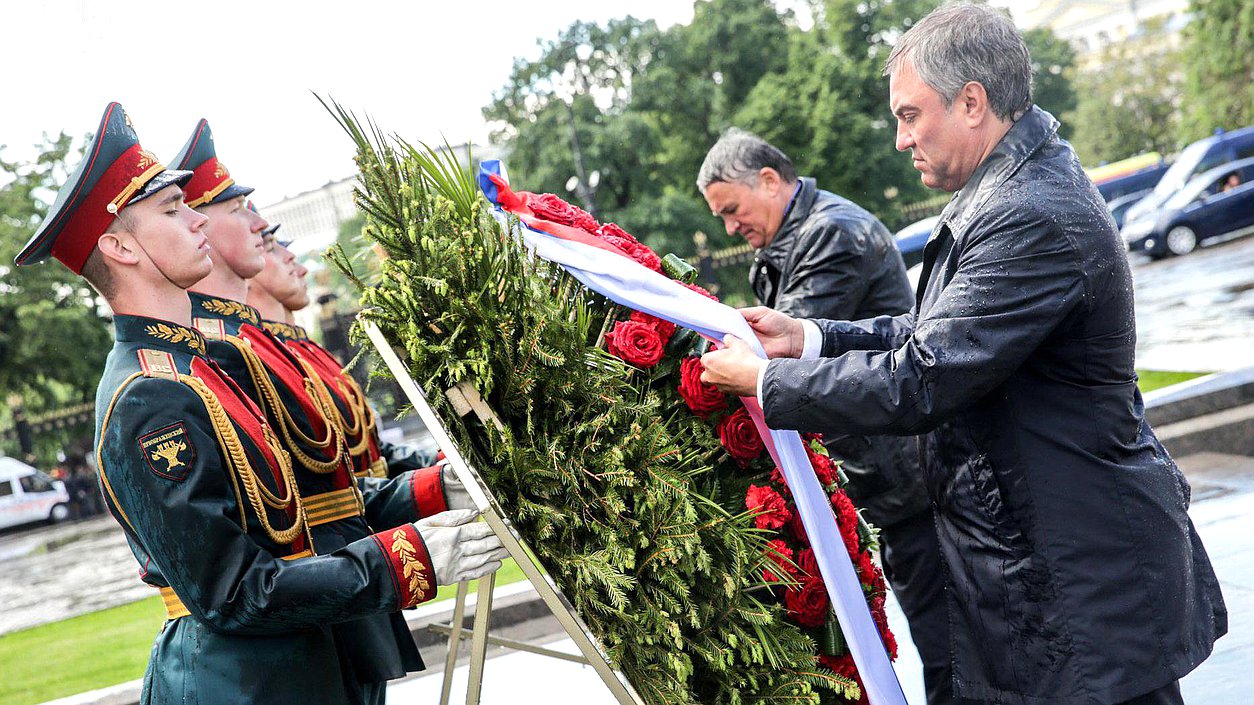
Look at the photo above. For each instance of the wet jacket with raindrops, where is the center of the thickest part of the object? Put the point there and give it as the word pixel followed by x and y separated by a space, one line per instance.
pixel 831 258
pixel 1074 572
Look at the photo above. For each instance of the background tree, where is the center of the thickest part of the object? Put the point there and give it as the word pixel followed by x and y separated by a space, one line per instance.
pixel 53 336
pixel 1053 63
pixel 1128 104
pixel 1218 60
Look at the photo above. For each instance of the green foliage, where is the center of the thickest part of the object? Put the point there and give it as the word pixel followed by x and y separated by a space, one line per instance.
pixel 53 340
pixel 590 463
pixel 1053 62
pixel 1218 59
pixel 1127 105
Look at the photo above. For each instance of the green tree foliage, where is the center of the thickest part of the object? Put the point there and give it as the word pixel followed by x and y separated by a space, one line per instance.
pixel 1218 59
pixel 53 338
pixel 1053 62
pixel 596 473
pixel 1127 105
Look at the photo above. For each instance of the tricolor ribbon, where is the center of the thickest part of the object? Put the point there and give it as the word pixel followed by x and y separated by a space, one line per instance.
pixel 607 270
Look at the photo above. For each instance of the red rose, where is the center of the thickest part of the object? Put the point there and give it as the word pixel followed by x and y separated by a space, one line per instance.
pixel 704 399
pixel 770 508
pixel 613 230
pixel 740 437
pixel 808 605
pixel 664 328
pixel 842 665
pixel 798 530
pixel 807 564
pixel 778 569
pixel 636 343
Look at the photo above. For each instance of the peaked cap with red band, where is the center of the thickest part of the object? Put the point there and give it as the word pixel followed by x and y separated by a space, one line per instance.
pixel 115 173
pixel 211 182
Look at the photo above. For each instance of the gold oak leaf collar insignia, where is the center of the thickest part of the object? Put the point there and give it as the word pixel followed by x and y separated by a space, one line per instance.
pixel 177 335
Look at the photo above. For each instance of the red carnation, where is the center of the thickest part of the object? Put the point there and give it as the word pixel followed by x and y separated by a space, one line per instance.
pixel 664 328
pixel 637 251
pixel 777 478
pixel 547 206
pixel 777 569
pixel 610 229
pixel 770 509
pixel 740 437
pixel 824 469
pixel 704 399
pixel 808 605
pixel 636 343
pixel 846 521
pixel 701 291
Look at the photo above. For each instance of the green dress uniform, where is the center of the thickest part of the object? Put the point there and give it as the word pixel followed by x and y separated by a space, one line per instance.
pixel 206 496
pixel 205 493
pixel 371 454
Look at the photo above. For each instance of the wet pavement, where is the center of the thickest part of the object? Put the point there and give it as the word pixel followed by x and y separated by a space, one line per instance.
pixel 1196 312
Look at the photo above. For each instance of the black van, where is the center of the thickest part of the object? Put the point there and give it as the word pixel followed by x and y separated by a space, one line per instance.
pixel 1202 155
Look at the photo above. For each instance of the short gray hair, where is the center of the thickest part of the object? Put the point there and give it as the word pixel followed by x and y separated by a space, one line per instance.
pixel 738 156
pixel 958 43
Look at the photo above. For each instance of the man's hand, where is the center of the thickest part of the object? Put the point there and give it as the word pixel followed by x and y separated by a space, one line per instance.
pixel 455 494
pixel 734 369
pixel 460 547
pixel 781 335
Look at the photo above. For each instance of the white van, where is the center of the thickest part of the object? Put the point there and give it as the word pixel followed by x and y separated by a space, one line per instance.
pixel 28 495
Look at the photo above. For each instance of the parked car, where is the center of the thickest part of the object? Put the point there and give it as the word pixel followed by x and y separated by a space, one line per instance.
pixel 912 238
pixel 1132 175
pixel 28 495
pixel 1216 203
pixel 1119 207
pixel 1201 156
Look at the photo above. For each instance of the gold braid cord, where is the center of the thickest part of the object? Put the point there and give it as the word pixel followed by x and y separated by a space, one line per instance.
pixel 350 430
pixel 287 425
pixel 259 496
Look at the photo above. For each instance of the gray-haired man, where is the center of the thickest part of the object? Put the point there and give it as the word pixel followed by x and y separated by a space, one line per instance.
pixel 1075 574
pixel 822 256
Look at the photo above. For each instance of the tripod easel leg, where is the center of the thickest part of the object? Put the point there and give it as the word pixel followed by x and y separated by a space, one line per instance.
pixel 479 638
pixel 454 640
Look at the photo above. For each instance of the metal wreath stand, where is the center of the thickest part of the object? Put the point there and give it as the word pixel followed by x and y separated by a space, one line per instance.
pixel 466 400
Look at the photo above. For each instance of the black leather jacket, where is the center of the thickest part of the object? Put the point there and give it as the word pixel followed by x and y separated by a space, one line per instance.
pixel 1074 573
pixel 833 259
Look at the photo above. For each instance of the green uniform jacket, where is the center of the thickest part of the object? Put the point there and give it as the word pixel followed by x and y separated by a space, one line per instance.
pixel 188 471
pixel 370 451
pixel 377 648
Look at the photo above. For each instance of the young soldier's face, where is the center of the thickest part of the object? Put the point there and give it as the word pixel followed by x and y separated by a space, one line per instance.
pixel 278 278
pixel 235 236
pixel 172 236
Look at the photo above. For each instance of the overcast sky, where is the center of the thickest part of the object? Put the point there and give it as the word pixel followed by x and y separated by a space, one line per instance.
pixel 420 68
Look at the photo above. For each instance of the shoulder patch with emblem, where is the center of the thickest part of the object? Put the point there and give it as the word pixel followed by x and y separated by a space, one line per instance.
pixel 168 451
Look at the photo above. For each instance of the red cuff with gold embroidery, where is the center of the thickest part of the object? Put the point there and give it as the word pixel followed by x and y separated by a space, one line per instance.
pixel 428 487
pixel 411 568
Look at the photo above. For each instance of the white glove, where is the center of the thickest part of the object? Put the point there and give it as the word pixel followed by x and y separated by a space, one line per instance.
pixel 460 547
pixel 455 494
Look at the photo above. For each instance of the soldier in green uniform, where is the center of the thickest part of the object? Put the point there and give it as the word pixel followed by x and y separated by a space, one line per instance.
pixel 277 292
pixel 340 506
pixel 196 477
